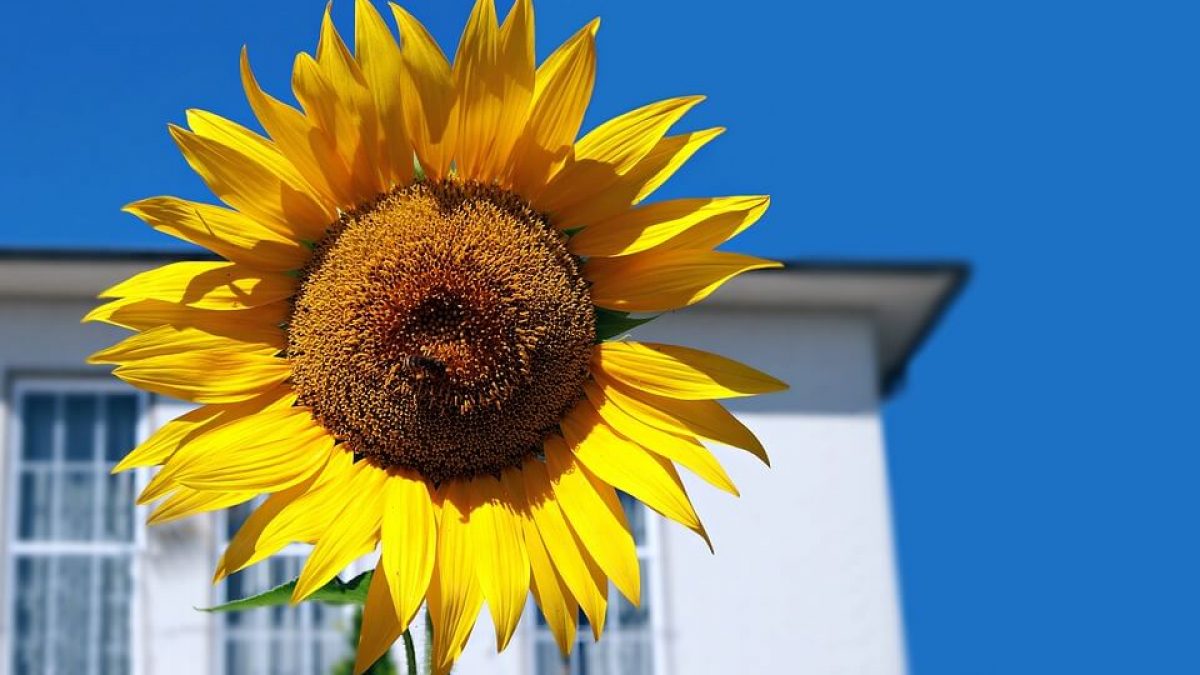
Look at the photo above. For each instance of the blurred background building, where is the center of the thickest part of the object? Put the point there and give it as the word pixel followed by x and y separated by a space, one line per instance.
pixel 803 580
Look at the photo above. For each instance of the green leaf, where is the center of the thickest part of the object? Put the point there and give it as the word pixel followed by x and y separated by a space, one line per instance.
pixel 610 324
pixel 336 592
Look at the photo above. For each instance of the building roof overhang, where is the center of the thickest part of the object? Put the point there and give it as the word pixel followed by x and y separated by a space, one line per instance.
pixel 906 299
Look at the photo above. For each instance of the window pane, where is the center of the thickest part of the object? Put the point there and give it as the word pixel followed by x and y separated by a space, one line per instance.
pixel 34 502
pixel 550 661
pixel 117 591
pixel 38 427
pixel 73 597
pixel 81 427
pixel 121 426
pixel 636 513
pixel 71 614
pixel 633 656
pixel 31 615
pixel 118 507
pixel 631 618
pixel 77 505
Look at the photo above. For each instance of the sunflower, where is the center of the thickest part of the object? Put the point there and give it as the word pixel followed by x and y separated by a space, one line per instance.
pixel 409 339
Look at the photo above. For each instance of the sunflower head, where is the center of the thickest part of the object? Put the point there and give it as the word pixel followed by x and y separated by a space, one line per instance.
pixel 444 328
pixel 407 343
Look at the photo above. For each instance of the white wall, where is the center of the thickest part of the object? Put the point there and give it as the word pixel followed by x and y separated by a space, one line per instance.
pixel 802 579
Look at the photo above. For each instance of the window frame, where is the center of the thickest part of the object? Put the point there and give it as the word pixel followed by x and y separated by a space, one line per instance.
pixel 11 412
pixel 652 552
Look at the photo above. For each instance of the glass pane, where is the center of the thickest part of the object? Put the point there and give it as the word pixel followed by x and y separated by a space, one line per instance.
pixel 636 513
pixel 30 615
pixel 121 424
pixel 77 505
pixel 37 422
pixel 549 661
pixel 74 595
pixel 118 507
pixel 635 618
pixel 633 656
pixel 117 591
pixel 36 487
pixel 81 427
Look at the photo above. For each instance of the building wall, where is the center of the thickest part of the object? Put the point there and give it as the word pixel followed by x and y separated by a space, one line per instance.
pixel 802 579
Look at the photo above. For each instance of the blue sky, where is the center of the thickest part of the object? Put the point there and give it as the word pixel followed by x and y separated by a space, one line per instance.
pixel 1043 455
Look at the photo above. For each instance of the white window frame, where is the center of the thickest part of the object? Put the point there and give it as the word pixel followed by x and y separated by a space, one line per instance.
pixel 295 551
pixel 650 551
pixel 60 386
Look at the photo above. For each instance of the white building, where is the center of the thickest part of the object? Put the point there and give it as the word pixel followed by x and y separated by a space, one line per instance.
pixel 803 580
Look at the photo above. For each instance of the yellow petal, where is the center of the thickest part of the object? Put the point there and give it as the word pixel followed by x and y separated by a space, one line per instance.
pixel 562 90
pixel 380 625
pixel 229 234
pixel 163 443
pixel 214 376
pixel 319 98
pixel 455 597
pixel 479 83
pixel 188 442
pixel 500 558
pixel 379 58
pixel 311 150
pixel 427 89
pixel 706 419
pixel 256 148
pixel 684 450
pixel 281 203
pixel 186 502
pixel 690 223
pixel 169 340
pixel 206 285
pixel 515 61
pixel 629 467
pixel 259 324
pixel 346 108
pixel 265 453
pixel 550 592
pixel 595 514
pixel 409 538
pixel 299 514
pixel 609 151
pixel 639 182
pixel 680 372
pixel 583 578
pixel 660 281
pixel 352 534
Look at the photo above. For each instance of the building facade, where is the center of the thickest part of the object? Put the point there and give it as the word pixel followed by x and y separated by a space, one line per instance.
pixel 803 579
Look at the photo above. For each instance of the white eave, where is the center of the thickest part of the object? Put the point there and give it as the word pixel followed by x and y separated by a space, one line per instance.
pixel 906 299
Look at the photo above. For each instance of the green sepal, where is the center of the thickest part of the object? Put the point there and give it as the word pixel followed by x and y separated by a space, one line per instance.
pixel 418 170
pixel 610 323
pixel 336 592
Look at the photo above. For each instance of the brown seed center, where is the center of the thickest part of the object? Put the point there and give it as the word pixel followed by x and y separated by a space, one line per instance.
pixel 443 328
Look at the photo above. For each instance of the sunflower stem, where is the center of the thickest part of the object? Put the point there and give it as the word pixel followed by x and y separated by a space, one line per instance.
pixel 410 654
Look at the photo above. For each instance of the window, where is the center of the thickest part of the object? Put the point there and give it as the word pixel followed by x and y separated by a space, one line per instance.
pixel 307 639
pixel 628 644
pixel 72 529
